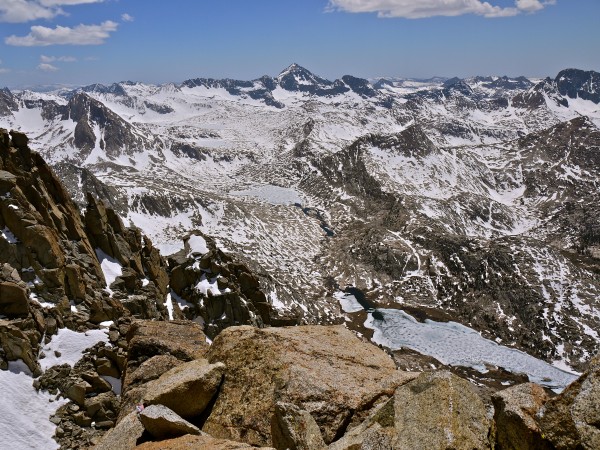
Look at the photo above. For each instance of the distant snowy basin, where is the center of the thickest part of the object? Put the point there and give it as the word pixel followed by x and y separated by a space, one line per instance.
pixel 269 193
pixel 454 344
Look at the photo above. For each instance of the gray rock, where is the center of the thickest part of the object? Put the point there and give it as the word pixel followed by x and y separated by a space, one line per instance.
pixel 162 423
pixel 124 436
pixel 572 419
pixel 295 429
pixel 515 415
pixel 437 410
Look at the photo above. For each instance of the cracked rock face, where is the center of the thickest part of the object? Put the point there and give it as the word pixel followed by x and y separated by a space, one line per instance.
pixel 325 371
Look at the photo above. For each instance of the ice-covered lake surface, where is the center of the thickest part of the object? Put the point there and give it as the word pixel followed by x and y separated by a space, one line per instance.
pixel 454 344
pixel 269 193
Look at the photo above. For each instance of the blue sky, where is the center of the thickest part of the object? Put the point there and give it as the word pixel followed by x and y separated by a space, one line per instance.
pixel 158 41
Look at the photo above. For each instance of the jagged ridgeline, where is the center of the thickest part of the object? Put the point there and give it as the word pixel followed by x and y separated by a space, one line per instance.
pixel 467 200
pixel 62 268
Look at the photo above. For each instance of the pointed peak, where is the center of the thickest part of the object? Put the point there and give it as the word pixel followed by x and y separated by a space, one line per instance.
pixel 296 69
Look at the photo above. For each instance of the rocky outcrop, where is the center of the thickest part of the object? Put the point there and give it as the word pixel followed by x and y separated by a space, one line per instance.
pixel 143 270
pixel 51 257
pixel 325 371
pixel 222 291
pixel 572 419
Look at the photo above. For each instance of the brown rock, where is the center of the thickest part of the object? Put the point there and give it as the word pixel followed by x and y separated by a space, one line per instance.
pixel 19 140
pixel 183 340
pixel 18 345
pixel 198 443
pixel 150 370
pixel 572 419
pixel 77 391
pixel 13 300
pixel 326 371
pixel 186 389
pixel 515 415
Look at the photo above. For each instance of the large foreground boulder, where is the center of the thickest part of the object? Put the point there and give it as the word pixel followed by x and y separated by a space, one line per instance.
pixel 516 409
pixel 325 371
pixel 572 419
pixel 436 411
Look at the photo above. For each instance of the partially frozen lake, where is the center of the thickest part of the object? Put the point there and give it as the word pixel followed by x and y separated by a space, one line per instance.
pixel 269 193
pixel 454 344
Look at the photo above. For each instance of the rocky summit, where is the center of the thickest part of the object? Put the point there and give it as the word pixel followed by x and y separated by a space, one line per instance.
pixel 298 263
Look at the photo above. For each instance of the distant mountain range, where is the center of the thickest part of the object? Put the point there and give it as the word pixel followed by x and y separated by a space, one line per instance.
pixel 471 199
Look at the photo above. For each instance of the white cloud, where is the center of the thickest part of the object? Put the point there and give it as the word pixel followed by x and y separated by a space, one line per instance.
pixel 80 35
pixel 47 67
pixel 18 11
pixel 127 18
pixel 68 2
pixel 412 9
pixel 3 70
pixel 50 59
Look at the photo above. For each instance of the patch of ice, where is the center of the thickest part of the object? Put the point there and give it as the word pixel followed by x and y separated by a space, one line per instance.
pixel 205 285
pixel 275 195
pixel 348 302
pixel 275 301
pixel 457 345
pixel 71 346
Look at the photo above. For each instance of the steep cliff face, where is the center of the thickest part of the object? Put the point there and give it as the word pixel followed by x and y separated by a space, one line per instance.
pixel 57 265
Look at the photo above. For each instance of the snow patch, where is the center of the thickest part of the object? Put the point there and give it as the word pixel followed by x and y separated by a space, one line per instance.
pixel 197 244
pixel 71 346
pixel 348 302
pixel 25 412
pixel 110 267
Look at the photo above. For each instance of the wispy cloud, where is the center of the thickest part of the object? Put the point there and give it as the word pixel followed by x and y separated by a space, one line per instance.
pixel 47 67
pixel 18 11
pixel 127 18
pixel 411 9
pixel 40 36
pixel 51 59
